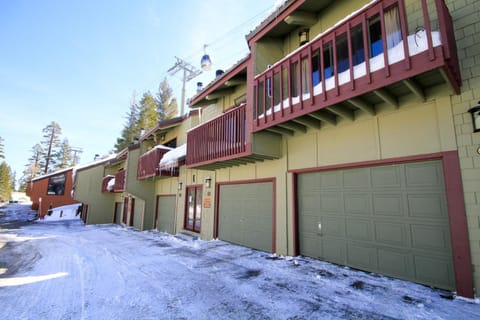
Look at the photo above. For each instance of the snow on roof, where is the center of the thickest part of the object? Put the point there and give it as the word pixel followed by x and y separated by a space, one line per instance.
pixel 159 146
pixel 53 173
pixel 171 159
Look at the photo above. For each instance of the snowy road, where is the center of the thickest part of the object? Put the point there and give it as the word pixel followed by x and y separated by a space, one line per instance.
pixel 67 270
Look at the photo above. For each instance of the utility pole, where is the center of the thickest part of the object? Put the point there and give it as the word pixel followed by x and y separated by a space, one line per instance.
pixel 76 150
pixel 189 72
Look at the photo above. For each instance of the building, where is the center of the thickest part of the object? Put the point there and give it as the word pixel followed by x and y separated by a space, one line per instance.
pixel 354 143
pixel 345 135
pixel 51 190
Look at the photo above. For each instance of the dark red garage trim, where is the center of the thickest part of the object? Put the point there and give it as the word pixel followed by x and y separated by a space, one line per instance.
pixel 274 207
pixel 455 203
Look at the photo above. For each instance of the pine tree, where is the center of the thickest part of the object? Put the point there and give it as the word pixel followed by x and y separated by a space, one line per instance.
pixel 65 155
pixel 167 104
pixel 51 143
pixel 148 116
pixel 5 181
pixel 131 129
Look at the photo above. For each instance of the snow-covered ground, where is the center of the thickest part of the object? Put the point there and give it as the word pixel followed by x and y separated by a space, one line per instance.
pixel 66 270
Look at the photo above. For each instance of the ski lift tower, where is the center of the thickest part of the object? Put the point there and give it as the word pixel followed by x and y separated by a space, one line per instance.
pixel 189 72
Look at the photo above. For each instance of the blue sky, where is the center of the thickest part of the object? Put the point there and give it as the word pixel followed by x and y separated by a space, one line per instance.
pixel 78 63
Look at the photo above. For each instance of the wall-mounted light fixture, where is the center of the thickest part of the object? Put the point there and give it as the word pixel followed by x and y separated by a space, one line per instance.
pixel 162 137
pixel 475 112
pixel 194 179
pixel 208 182
pixel 303 37
pixel 180 185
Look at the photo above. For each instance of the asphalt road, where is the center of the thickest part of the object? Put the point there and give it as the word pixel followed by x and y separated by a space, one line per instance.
pixel 67 270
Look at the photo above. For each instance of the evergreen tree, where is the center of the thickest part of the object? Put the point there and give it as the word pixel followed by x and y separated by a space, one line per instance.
pixel 51 143
pixel 5 181
pixel 167 104
pixel 2 154
pixel 65 155
pixel 131 129
pixel 148 116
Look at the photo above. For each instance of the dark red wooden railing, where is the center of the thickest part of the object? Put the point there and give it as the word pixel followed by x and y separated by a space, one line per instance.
pixel 297 85
pixel 148 163
pixel 105 182
pixel 220 139
pixel 119 185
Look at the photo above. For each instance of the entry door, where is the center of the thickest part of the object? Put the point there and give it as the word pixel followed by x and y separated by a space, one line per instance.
pixel 193 215
pixel 117 213
pixel 165 215
pixel 125 210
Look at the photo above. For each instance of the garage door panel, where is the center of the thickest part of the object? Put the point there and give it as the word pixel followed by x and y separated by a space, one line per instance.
pixel 391 234
pixel 334 250
pixel 329 180
pixel 359 230
pixel 330 202
pixel 310 245
pixel 427 174
pixel 258 240
pixel 329 226
pixel 308 223
pixel 356 178
pixel 396 263
pixel 388 204
pixel 391 219
pixel 362 257
pixel 430 237
pixel 245 214
pixel 386 177
pixel 436 271
pixel 358 203
pixel 427 205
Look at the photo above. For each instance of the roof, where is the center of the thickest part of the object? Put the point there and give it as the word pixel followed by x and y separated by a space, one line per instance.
pixel 167 124
pixel 51 174
pixel 221 81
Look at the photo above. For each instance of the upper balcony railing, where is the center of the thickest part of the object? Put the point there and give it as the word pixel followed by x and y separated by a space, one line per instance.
pixel 220 139
pixel 108 183
pixel 119 185
pixel 370 49
pixel 148 164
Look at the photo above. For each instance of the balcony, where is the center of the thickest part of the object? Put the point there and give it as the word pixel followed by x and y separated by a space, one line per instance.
pixel 224 142
pixel 148 164
pixel 317 85
pixel 119 185
pixel 108 183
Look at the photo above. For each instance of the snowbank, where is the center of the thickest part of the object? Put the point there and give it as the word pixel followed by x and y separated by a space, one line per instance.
pixel 68 212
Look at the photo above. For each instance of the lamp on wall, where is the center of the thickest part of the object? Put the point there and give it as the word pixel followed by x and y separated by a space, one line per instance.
pixel 475 112
pixel 208 182
pixel 180 185
pixel 303 37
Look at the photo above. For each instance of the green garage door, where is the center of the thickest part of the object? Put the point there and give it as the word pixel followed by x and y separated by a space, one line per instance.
pixel 245 214
pixel 388 219
pixel 166 213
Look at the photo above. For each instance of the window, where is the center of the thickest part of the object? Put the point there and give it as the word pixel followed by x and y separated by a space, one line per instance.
pixel 342 53
pixel 56 185
pixel 357 45
pixel 392 27
pixel 375 34
pixel 328 59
